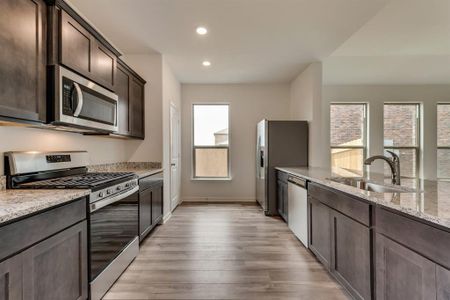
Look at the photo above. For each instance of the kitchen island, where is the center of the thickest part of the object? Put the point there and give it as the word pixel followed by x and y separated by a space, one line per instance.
pixel 391 245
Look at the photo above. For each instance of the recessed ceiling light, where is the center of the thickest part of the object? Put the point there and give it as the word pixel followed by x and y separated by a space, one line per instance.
pixel 201 30
pixel 206 63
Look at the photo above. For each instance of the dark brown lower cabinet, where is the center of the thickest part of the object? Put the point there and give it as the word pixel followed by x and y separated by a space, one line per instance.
pixel 402 273
pixel 55 268
pixel 350 261
pixel 11 278
pixel 320 231
pixel 150 208
pixel 282 199
pixel 443 283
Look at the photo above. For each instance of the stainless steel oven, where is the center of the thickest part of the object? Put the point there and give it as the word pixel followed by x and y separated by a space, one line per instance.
pixel 81 103
pixel 113 235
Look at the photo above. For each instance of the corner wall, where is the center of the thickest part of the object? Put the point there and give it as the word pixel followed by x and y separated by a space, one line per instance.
pixel 306 104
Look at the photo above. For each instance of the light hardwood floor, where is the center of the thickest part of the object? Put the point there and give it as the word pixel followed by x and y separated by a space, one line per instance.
pixel 224 251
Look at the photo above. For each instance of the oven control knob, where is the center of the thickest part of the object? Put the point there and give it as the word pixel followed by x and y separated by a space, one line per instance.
pixel 119 188
pixel 127 185
pixel 108 191
pixel 101 194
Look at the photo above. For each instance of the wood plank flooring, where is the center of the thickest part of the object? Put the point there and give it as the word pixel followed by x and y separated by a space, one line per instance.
pixel 224 251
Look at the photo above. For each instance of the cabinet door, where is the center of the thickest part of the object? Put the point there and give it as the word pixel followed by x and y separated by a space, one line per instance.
pixel 137 108
pixel 280 199
pixel 103 65
pixel 23 59
pixel 350 259
pixel 285 202
pixel 11 278
pixel 402 273
pixel 122 88
pixel 76 45
pixel 320 231
pixel 443 283
pixel 157 203
pixel 145 212
pixel 56 268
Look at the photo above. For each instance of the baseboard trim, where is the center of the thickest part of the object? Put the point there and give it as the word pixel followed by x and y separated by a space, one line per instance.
pixel 166 218
pixel 218 200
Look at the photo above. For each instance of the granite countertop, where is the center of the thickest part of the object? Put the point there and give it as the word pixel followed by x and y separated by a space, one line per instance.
pixel 142 169
pixel 430 203
pixel 20 203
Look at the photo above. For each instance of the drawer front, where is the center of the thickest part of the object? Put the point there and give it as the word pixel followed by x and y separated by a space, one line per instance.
pixel 429 241
pixel 349 206
pixel 21 234
pixel 149 181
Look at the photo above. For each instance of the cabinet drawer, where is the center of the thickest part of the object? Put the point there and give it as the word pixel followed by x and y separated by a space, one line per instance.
pixel 149 181
pixel 352 207
pixel 22 234
pixel 415 235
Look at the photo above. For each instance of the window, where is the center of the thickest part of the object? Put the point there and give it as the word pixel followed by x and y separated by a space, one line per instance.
pixel 443 140
pixel 348 135
pixel 211 152
pixel 401 136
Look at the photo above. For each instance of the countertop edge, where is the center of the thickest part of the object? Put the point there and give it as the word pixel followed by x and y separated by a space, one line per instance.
pixel 355 192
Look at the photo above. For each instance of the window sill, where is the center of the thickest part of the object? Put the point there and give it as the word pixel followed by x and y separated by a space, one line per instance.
pixel 211 179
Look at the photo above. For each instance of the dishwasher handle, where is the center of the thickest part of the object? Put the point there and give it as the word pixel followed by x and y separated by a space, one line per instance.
pixel 297 181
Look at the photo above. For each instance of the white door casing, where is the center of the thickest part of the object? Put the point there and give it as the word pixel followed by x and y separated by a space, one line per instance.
pixel 175 176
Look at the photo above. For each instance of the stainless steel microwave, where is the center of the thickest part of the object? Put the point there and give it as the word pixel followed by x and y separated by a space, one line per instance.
pixel 82 104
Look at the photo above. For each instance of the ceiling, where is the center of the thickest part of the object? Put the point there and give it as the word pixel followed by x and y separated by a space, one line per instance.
pixel 407 42
pixel 248 40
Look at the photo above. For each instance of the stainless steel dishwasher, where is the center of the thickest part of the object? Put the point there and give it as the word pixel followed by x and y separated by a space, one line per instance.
pixel 298 208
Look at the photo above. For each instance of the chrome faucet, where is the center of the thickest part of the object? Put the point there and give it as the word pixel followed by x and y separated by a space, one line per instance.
pixel 394 164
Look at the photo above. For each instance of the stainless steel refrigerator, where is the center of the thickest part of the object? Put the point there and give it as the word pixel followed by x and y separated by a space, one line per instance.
pixel 278 144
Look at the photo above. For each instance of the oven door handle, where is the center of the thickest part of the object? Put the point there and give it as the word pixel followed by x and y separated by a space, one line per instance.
pixel 105 202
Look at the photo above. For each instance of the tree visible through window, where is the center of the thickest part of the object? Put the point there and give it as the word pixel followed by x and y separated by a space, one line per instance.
pixel 443 140
pixel 211 141
pixel 348 135
pixel 401 135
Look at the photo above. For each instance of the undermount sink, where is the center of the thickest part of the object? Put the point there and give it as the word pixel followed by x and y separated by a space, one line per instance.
pixel 363 184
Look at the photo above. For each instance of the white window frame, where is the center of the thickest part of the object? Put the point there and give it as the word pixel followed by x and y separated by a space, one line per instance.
pixel 364 135
pixel 446 147
pixel 417 148
pixel 193 147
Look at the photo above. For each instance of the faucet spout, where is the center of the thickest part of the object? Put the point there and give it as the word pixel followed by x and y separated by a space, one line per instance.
pixel 394 165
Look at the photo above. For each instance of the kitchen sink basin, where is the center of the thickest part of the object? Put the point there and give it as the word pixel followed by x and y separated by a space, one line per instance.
pixel 363 184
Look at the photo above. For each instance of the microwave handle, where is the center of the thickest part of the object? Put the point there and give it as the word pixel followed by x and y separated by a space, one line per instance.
pixel 80 99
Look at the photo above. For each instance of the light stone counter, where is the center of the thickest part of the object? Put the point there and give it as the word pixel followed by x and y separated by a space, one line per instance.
pixel 15 204
pixel 142 169
pixel 431 203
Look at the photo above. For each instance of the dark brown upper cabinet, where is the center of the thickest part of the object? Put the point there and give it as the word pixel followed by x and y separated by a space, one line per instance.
pixel 80 51
pixel 23 60
pixel 130 89
pixel 123 91
pixel 137 108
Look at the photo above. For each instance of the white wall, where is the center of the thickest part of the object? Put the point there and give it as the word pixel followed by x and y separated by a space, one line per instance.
pixel 171 89
pixel 101 149
pixel 249 103
pixel 149 66
pixel 306 104
pixel 375 96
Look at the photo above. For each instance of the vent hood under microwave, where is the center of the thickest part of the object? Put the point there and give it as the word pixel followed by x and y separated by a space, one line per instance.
pixel 81 104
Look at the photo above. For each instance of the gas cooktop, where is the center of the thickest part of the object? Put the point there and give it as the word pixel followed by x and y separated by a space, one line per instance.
pixel 81 181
